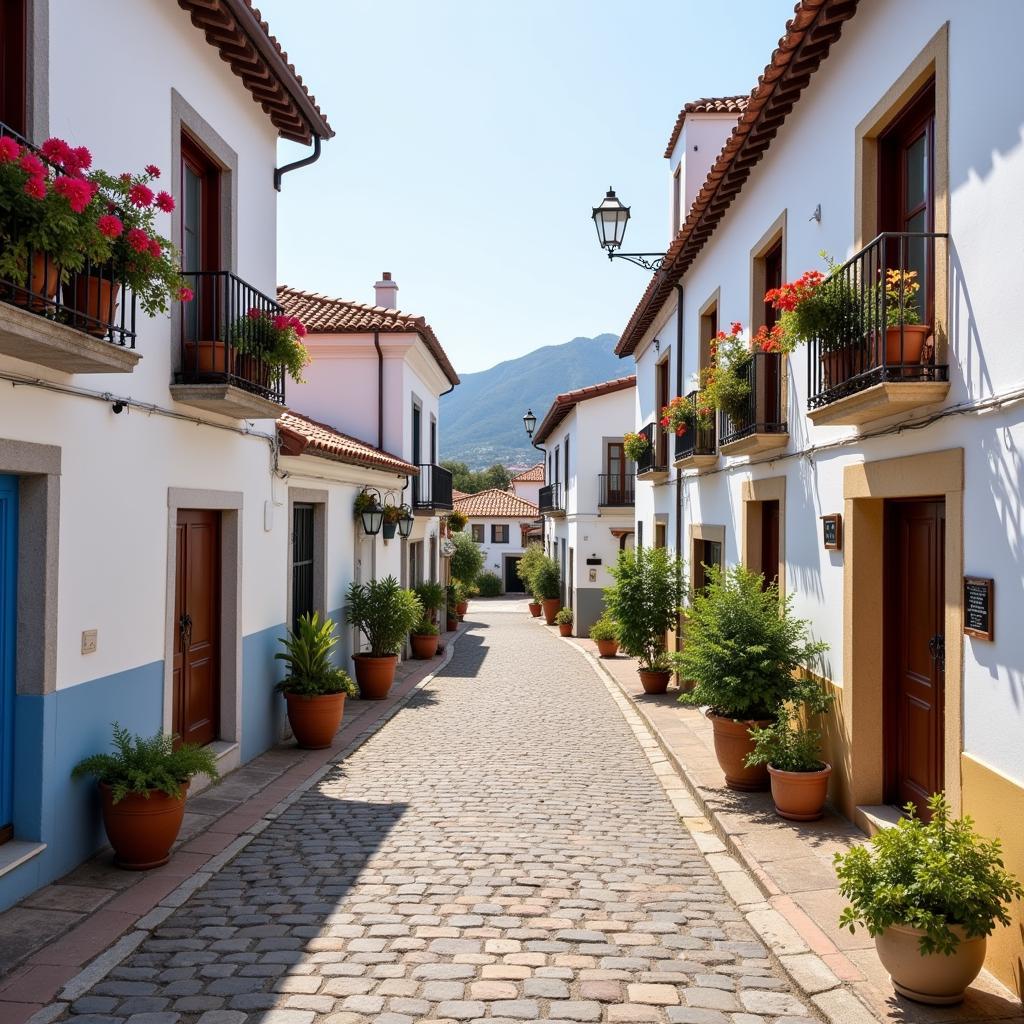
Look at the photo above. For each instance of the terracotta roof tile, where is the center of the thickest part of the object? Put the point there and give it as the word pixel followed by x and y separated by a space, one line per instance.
pixel 565 403
pixel 456 494
pixel 324 315
pixel 533 475
pixel 810 33
pixel 299 435
pixel 495 504
pixel 707 105
pixel 243 39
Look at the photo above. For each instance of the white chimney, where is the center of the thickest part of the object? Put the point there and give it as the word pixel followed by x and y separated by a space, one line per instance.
pixel 386 292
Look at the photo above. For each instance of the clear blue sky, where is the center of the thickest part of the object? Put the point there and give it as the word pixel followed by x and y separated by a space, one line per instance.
pixel 473 138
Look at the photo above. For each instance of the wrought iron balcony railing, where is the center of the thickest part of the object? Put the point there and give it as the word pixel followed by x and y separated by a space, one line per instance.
pixel 551 499
pixel 224 338
pixel 92 299
pixel 654 458
pixel 616 490
pixel 881 329
pixel 432 489
pixel 761 412
pixel 697 440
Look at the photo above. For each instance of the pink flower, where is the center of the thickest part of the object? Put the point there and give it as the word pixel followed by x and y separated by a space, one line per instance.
pixel 110 226
pixel 36 187
pixel 126 178
pixel 138 240
pixel 9 150
pixel 77 191
pixel 140 195
pixel 56 151
pixel 300 327
pixel 165 201
pixel 83 158
pixel 155 249
pixel 281 323
pixel 185 294
pixel 31 163
pixel 152 170
pixel 254 313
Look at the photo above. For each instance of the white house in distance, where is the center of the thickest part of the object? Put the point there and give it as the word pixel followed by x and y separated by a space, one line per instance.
pixel 377 368
pixel 883 492
pixel 587 500
pixel 528 483
pixel 497 521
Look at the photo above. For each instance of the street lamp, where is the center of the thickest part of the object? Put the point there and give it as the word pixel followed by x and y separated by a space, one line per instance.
pixel 530 422
pixel 610 219
pixel 405 523
pixel 372 514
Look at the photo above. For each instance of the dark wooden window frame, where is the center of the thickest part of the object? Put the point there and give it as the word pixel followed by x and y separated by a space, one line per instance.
pixel 499 533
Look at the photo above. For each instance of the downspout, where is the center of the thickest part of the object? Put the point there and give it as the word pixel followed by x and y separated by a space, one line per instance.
pixel 280 172
pixel 679 472
pixel 380 390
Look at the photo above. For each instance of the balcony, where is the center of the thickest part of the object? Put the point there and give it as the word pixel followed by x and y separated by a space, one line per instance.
pixel 551 500
pixel 432 489
pixel 223 362
pixel 760 423
pixel 75 322
pixel 696 449
pixel 616 490
pixel 653 464
pixel 881 358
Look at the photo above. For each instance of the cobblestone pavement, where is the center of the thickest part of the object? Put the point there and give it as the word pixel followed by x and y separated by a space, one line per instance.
pixel 500 851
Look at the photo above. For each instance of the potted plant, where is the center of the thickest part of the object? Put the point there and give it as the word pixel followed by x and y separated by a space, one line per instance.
pixel 564 620
pixel 929 893
pixel 456 521
pixel 635 446
pixel 724 382
pixel 742 648
pixel 489 584
pixel 451 603
pixel 424 639
pixel 681 416
pixel 262 339
pixel 466 563
pixel 142 789
pixel 432 597
pixel 384 613
pixel 314 687
pixel 548 584
pixel 792 754
pixel 392 515
pixel 897 301
pixel 605 633
pixel 644 602
pixel 526 567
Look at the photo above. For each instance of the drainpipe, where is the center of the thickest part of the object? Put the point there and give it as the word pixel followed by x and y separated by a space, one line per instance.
pixel 380 390
pixel 679 472
pixel 280 172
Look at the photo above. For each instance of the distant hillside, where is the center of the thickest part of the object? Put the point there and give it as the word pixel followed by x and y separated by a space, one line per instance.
pixel 482 419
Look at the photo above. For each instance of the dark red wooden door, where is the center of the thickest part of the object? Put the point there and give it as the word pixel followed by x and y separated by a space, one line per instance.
pixel 196 674
pixel 770 542
pixel 915 536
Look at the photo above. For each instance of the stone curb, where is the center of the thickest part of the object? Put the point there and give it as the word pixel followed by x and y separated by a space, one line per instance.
pixel 98 968
pixel 809 974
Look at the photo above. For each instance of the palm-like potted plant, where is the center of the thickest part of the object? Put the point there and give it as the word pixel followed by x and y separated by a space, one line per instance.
pixel 605 633
pixel 424 639
pixel 527 568
pixel 792 753
pixel 548 588
pixel 742 648
pixel 432 597
pixel 313 687
pixel 142 785
pixel 644 602
pixel 929 893
pixel 564 620
pixel 384 613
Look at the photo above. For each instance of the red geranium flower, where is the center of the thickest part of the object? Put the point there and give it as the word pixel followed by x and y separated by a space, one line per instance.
pixel 140 195
pixel 152 170
pixel 82 158
pixel 110 226
pixel 185 294
pixel 138 240
pixel 56 150
pixel 77 191
pixel 36 187
pixel 9 150
pixel 165 201
pixel 155 249
pixel 32 164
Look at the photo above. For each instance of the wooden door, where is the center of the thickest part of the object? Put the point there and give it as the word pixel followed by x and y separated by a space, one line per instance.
pixel 770 542
pixel 616 473
pixel 513 582
pixel 196 676
pixel 14 65
pixel 661 443
pixel 915 535
pixel 199 209
pixel 8 627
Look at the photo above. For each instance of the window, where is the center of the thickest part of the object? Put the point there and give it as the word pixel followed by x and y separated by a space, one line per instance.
pixel 13 65
pixel 303 600
pixel 662 393
pixel 708 330
pixel 772 279
pixel 499 533
pixel 677 200
pixel 616 464
pixel 416 564
pixel 706 553
pixel 433 439
pixel 558 464
pixel 567 461
pixel 476 531
pixel 200 236
pixel 417 426
pixel 660 535
pixel 433 558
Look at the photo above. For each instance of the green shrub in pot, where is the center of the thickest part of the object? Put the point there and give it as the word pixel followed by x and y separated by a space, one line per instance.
pixel 605 629
pixel 564 617
pixel 383 612
pixel 468 559
pixel 528 565
pixel 548 580
pixel 489 584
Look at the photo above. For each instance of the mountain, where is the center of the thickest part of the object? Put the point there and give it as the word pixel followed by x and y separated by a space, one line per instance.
pixel 482 419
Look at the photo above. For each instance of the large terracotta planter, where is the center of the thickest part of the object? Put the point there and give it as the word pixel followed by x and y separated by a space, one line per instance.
pixel 607 648
pixel 732 745
pixel 462 607
pixel 95 299
pixel 936 979
pixel 840 364
pixel 534 607
pixel 424 645
pixel 914 337
pixel 451 624
pixel 375 675
pixel 209 357
pixel 315 720
pixel 551 607
pixel 142 829
pixel 654 682
pixel 43 281
pixel 565 629
pixel 253 369
pixel 800 796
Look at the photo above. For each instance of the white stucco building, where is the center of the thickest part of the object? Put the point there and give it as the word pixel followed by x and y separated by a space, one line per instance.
pixel 497 521
pixel 527 484
pixel 587 500
pixel 873 137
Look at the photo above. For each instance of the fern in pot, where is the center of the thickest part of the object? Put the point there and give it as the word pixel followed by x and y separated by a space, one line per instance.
pixel 313 687
pixel 143 784
pixel 384 613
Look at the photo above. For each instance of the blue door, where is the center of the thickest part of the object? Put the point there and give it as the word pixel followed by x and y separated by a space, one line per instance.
pixel 8 619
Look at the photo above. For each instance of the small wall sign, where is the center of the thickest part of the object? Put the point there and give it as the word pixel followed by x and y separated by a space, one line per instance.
pixel 832 532
pixel 979 607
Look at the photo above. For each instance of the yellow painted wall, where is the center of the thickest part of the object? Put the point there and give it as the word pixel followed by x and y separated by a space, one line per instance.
pixel 996 804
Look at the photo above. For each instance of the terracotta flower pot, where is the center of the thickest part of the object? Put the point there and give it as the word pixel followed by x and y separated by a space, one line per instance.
pixel 607 648
pixel 654 682
pixel 142 829
pixel 732 745
pixel 914 337
pixel 840 364
pixel 462 607
pixel 96 300
pixel 452 625
pixel 424 645
pixel 800 796
pixel 253 369
pixel 43 280
pixel 565 629
pixel 209 357
pixel 375 675
pixel 534 609
pixel 551 607
pixel 936 979
pixel 315 720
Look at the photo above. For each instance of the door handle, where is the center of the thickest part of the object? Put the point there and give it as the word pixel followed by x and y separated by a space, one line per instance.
pixel 937 649
pixel 185 629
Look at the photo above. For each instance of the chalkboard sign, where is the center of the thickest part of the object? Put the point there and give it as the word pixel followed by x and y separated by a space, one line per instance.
pixel 979 607
pixel 832 532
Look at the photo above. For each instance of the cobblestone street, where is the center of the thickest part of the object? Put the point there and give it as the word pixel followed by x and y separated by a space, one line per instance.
pixel 501 850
